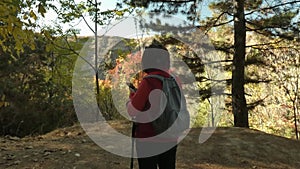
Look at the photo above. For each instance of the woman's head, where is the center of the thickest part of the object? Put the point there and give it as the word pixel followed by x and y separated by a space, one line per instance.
pixel 155 57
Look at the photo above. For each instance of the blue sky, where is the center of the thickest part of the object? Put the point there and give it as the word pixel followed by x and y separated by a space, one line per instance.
pixel 106 5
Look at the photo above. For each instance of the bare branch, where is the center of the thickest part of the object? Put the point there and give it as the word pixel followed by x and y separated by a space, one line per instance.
pixel 213 23
pixel 218 61
pixel 272 7
pixel 91 2
pixel 73 51
pixel 175 1
pixel 223 23
pixel 263 44
pixel 87 24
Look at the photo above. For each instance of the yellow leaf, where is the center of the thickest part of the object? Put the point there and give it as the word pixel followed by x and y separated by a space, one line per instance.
pixel 48 47
pixel 41 10
pixel 9 28
pixel 6 104
pixel 33 15
pixel 25 17
pixel 32 46
pixel 119 13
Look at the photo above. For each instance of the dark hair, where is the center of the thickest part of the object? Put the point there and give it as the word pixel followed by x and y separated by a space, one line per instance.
pixel 155 57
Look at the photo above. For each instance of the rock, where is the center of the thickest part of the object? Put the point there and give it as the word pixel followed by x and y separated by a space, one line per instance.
pixel 26 156
pixel 3 149
pixel 47 153
pixel 17 162
pixel 116 163
pixel 77 154
pixel 29 147
pixel 9 157
pixel 14 138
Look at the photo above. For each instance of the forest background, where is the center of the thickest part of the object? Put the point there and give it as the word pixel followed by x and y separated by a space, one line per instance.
pixel 37 61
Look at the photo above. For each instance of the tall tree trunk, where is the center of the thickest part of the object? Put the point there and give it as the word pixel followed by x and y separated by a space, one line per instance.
pixel 96 60
pixel 239 104
pixel 295 106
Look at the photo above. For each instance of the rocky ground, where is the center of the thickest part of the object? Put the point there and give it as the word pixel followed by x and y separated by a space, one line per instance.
pixel 227 148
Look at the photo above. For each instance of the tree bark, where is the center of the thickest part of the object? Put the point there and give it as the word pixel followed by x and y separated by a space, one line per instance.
pixel 239 104
pixel 96 61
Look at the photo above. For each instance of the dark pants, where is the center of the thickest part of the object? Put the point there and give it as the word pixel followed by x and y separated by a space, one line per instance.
pixel 165 160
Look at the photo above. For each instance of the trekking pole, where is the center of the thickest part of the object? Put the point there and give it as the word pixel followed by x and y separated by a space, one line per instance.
pixel 132 89
pixel 132 143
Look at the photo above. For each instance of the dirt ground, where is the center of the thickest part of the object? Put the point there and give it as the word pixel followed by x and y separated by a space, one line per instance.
pixel 227 148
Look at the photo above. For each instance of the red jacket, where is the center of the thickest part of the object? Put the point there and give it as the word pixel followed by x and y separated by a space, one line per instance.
pixel 139 102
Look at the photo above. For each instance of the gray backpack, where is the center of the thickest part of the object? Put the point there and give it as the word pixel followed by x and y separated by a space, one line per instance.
pixel 175 118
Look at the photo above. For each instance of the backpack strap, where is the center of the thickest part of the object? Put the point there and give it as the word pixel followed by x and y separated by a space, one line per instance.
pixel 165 85
pixel 161 78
